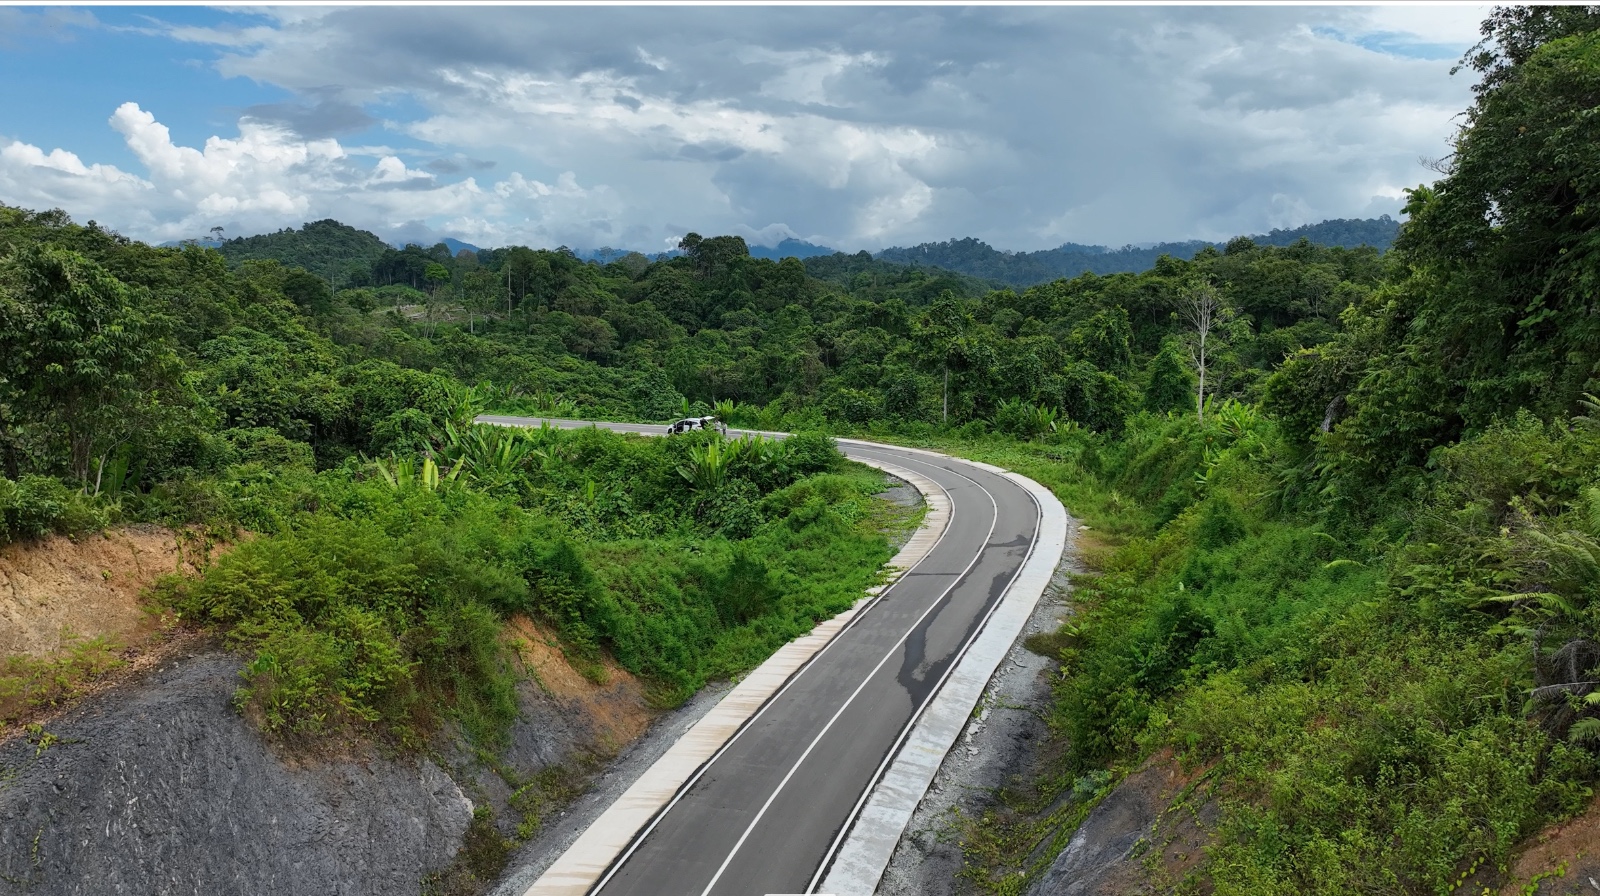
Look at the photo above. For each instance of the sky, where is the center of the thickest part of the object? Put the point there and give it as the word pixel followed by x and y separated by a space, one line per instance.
pixel 852 127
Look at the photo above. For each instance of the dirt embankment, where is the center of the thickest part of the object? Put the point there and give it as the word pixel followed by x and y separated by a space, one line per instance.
pixel 154 783
pixel 59 588
pixel 1562 860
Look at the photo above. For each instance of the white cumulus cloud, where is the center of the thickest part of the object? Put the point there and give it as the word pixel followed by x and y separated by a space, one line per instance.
pixel 267 178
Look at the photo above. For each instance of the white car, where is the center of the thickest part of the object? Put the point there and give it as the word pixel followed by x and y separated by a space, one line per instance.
pixel 692 423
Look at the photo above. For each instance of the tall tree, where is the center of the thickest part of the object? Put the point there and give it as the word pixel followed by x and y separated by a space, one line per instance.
pixel 1200 306
pixel 942 334
pixel 80 354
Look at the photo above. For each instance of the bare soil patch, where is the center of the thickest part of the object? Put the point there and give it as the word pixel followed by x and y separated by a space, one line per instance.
pixel 58 588
pixel 74 621
pixel 1564 859
pixel 609 696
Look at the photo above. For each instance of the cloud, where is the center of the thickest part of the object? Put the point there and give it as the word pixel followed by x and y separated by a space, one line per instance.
pixel 20 27
pixel 316 118
pixel 458 164
pixel 269 177
pixel 858 127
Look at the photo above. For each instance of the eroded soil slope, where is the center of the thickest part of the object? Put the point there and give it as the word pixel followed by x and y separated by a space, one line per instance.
pixel 87 587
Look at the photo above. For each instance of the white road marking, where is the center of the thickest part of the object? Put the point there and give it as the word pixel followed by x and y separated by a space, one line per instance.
pixel 864 681
pixel 877 775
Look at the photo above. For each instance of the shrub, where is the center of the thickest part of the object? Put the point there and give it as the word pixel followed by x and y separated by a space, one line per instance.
pixel 350 623
pixel 35 506
pixel 266 446
pixel 809 453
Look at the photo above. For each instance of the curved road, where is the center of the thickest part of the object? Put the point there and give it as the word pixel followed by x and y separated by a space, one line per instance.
pixel 767 813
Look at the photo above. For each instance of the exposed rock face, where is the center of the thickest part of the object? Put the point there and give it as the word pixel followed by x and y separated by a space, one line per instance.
pixel 160 787
pixel 1149 812
pixel 1104 842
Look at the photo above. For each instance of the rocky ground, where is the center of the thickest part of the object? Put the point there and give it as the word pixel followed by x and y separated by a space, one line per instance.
pixel 162 787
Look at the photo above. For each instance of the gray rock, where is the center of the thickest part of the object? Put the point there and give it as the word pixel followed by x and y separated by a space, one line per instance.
pixel 161 788
pixel 1135 824
pixel 1103 844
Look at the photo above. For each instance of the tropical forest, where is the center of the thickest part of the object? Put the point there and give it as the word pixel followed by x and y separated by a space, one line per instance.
pixel 1335 501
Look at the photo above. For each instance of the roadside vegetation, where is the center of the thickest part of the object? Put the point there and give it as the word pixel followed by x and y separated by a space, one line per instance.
pixel 1344 505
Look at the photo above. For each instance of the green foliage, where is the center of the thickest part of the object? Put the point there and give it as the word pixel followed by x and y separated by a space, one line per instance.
pixel 29 684
pixel 1169 384
pixel 1358 585
pixel 35 506
pixel 1023 419
pixel 326 248
pixel 352 623
pixel 83 360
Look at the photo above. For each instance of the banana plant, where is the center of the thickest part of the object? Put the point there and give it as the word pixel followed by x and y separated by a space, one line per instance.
pixel 758 456
pixel 707 468
pixel 403 473
pixel 488 452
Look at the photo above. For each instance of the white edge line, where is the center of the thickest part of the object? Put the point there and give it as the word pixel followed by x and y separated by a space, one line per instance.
pixel 854 614
pixel 623 823
pixel 860 863
pixel 935 604
pixel 911 726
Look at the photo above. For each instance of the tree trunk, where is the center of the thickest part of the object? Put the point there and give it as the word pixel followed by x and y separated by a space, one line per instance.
pixel 946 419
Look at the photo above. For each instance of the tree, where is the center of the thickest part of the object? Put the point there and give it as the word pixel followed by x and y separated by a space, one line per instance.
pixel 308 291
pixel 942 331
pixel 435 276
pixel 80 354
pixel 1200 307
pixel 1167 379
pixel 712 255
pixel 1104 341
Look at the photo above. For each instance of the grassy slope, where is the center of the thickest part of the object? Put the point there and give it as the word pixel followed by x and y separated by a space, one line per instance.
pixel 1354 735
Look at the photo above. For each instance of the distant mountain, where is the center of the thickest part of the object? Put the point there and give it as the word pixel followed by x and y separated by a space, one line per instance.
pixel 979 259
pixel 456 246
pixel 1348 233
pixel 790 248
pixel 325 247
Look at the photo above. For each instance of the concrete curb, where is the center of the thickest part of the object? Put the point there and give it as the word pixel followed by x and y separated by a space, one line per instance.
pixel 585 862
pixel 870 844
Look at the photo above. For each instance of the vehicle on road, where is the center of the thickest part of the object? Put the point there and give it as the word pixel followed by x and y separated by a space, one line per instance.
pixel 688 424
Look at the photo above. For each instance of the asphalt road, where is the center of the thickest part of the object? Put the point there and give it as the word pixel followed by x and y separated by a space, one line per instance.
pixel 766 813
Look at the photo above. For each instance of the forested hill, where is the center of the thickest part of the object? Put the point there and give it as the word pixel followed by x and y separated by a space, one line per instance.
pixel 326 248
pixel 978 259
pixel 347 257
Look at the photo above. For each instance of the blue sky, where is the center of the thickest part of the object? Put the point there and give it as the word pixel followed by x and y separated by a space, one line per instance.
pixel 855 127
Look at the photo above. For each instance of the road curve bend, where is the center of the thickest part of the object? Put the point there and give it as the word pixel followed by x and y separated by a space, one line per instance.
pixel 774 801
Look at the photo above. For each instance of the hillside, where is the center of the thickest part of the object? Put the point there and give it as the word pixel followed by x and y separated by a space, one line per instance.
pixel 326 248
pixel 978 259
pixel 1337 622
pixel 791 248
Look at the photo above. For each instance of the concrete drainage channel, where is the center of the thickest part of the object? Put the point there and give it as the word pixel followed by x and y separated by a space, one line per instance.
pixel 865 850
